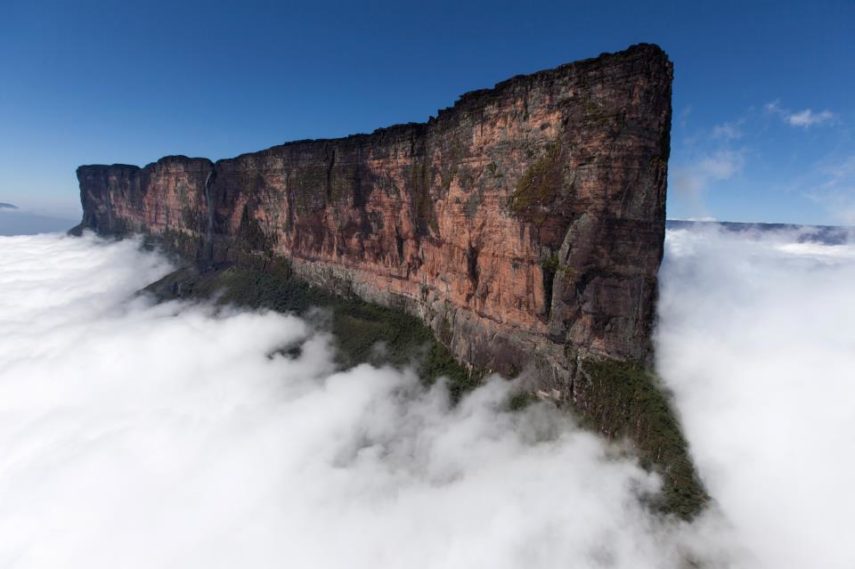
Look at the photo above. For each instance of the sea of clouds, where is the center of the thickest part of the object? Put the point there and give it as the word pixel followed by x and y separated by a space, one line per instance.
pixel 756 337
pixel 184 435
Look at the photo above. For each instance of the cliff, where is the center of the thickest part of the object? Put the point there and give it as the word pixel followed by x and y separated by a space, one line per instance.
pixel 524 224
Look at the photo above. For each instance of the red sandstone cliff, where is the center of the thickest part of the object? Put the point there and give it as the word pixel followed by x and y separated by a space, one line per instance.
pixel 524 225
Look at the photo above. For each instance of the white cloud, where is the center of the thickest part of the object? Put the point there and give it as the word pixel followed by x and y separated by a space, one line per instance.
pixel 727 131
pixel 773 107
pixel 175 435
pixel 756 339
pixel 134 435
pixel 721 165
pixel 690 182
pixel 805 118
pixel 808 117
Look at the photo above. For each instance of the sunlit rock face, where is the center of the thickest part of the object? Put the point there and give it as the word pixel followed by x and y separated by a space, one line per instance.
pixel 524 224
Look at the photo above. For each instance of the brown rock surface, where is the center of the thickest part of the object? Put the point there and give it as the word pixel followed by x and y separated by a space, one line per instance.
pixel 524 225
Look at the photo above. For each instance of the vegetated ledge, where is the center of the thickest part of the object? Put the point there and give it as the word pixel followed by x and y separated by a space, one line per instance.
pixel 362 332
pixel 619 400
pixel 523 227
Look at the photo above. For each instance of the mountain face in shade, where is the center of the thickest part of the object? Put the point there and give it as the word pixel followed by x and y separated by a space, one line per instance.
pixel 524 225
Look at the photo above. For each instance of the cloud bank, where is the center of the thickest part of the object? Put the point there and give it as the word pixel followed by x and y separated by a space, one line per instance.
pixel 176 435
pixel 756 339
pixel 180 435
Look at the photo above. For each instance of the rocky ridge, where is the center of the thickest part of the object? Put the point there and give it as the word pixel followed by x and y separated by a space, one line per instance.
pixel 524 225
pixel 527 220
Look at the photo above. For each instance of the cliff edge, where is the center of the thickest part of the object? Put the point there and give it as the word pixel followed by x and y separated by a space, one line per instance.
pixel 524 225
pixel 526 220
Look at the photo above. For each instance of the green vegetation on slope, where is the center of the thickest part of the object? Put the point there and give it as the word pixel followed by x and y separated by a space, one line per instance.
pixel 623 400
pixel 358 327
pixel 620 400
pixel 538 186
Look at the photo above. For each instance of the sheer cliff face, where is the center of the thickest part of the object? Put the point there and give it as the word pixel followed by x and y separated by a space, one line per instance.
pixel 524 225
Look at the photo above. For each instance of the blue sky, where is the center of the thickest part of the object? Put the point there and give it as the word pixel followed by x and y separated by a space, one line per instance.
pixel 763 93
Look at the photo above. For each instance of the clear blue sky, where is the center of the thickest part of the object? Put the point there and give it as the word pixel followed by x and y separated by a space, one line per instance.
pixel 764 95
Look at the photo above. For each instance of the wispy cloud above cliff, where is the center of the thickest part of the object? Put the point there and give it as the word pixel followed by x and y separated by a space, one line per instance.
pixel 693 180
pixel 766 163
pixel 728 130
pixel 142 435
pixel 803 119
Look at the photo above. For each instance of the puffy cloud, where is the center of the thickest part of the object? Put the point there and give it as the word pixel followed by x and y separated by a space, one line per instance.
pixel 756 340
pixel 808 117
pixel 180 435
pixel 805 118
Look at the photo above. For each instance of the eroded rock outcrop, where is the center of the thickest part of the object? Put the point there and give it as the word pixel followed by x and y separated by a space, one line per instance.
pixel 524 224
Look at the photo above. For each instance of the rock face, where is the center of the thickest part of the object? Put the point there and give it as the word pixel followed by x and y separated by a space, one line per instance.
pixel 524 225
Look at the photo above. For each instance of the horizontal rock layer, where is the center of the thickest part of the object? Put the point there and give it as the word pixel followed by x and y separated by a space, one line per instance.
pixel 524 224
